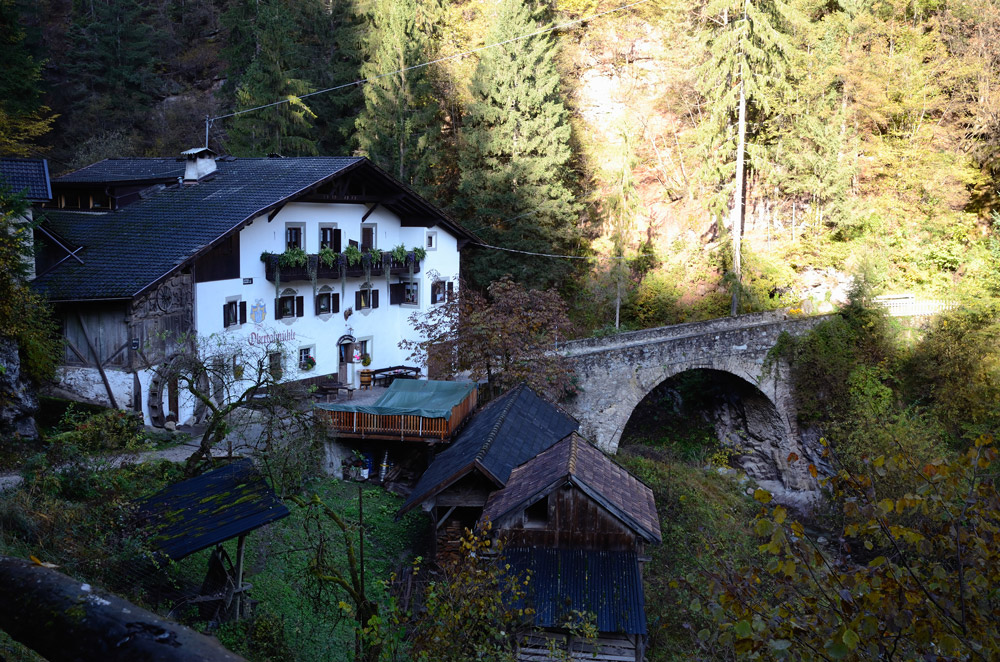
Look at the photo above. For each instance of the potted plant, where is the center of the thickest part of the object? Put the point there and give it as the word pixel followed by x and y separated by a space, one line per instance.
pixel 353 255
pixel 327 257
pixel 293 257
pixel 366 360
pixel 308 363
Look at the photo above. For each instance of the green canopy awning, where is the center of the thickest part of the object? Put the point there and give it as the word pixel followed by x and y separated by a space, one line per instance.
pixel 413 397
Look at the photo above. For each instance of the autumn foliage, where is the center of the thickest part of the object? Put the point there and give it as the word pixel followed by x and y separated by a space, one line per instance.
pixel 915 577
pixel 505 337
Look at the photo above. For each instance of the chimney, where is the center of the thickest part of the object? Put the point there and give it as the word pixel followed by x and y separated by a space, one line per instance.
pixel 200 164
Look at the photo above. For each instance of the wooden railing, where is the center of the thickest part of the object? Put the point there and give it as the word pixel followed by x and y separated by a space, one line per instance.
pixel 404 427
pixel 324 272
pixel 381 425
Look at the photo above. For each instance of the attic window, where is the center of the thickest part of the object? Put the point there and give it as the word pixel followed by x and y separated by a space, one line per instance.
pixel 536 516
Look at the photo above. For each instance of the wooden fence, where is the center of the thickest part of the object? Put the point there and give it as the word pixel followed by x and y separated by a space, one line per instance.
pixel 404 427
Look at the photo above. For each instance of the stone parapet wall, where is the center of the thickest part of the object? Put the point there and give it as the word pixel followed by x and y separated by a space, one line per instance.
pixel 585 345
pixel 614 374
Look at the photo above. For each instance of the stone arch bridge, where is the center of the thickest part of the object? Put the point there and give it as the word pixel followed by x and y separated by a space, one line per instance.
pixel 617 372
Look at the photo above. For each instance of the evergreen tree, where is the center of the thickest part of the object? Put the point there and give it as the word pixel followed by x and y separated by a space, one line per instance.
pixel 111 65
pixel 744 73
pixel 515 189
pixel 263 63
pixel 397 127
pixel 23 118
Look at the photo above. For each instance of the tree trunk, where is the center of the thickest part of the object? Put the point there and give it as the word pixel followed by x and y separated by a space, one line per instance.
pixel 67 620
pixel 738 201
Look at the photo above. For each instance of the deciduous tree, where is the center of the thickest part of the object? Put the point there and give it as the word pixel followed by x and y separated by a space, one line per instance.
pixel 914 578
pixel 505 337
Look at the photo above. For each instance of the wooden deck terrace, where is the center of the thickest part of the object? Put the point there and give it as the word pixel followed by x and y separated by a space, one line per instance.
pixel 401 427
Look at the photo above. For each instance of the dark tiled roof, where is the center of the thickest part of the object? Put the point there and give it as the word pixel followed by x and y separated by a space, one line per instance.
pixel 30 176
pixel 200 512
pixel 127 250
pixel 577 461
pixel 512 429
pixel 605 584
pixel 127 170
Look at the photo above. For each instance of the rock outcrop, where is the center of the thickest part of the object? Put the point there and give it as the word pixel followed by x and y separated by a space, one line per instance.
pixel 18 400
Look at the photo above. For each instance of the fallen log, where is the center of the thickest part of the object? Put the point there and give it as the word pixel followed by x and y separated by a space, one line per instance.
pixel 66 620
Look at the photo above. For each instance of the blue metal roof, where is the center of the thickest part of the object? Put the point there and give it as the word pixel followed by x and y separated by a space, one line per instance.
pixel 200 512
pixel 606 584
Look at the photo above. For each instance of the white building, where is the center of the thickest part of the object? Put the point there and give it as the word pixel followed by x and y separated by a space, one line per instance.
pixel 149 251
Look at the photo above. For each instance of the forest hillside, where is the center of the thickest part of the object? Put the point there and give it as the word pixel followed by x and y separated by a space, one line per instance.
pixel 867 132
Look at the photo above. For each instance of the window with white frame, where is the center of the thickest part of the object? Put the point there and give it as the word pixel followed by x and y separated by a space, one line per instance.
pixel 289 305
pixel 411 293
pixel 327 301
pixel 441 291
pixel 307 358
pixel 329 237
pixel 405 293
pixel 431 241
pixel 234 312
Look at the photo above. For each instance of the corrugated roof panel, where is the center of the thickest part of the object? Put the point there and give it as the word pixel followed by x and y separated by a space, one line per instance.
pixel 607 585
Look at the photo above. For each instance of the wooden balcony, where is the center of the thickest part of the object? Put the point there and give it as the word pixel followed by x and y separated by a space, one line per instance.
pixel 366 422
pixel 323 272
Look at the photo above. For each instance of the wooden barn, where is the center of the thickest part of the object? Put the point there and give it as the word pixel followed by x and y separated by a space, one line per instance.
pixel 579 523
pixel 509 431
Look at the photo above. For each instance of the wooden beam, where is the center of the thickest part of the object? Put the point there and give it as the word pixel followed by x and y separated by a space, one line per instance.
pixel 369 212
pixel 69 343
pixel 117 352
pixel 274 212
pixel 446 515
pixel 240 549
pixel 97 360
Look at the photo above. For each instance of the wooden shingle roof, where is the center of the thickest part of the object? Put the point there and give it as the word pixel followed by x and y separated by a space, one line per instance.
pixel 27 176
pixel 575 460
pixel 510 430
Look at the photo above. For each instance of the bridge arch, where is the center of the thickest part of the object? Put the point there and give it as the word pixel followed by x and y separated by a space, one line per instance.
pixel 615 374
pixel 741 415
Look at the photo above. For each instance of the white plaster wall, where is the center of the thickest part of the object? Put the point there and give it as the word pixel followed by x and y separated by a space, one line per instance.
pixel 384 326
pixel 88 385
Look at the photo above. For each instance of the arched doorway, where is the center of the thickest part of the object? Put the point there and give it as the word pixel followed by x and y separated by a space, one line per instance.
pixel 345 358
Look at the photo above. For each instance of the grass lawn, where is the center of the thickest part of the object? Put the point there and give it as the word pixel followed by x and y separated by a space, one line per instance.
pixel 289 619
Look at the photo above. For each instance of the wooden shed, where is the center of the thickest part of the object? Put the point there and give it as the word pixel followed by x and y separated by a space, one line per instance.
pixel 510 430
pixel 578 523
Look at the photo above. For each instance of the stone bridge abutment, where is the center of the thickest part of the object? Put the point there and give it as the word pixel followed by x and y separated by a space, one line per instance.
pixel 616 373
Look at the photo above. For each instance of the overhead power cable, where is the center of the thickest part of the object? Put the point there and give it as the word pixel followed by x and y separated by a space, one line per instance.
pixel 565 257
pixel 362 81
